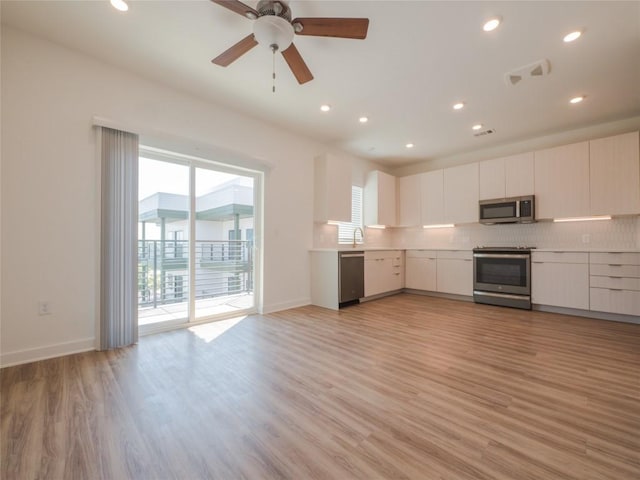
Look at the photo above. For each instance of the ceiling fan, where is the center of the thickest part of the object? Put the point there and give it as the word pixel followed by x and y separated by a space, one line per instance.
pixel 274 28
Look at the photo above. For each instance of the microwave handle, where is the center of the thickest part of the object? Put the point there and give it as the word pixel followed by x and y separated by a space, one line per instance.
pixel 517 208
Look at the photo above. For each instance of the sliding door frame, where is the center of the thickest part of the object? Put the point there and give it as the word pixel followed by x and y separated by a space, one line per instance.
pixel 258 216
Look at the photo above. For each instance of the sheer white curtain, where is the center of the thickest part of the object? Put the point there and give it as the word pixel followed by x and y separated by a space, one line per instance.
pixel 119 223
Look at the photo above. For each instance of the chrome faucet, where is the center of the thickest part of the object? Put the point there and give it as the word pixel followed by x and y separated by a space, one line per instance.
pixel 354 235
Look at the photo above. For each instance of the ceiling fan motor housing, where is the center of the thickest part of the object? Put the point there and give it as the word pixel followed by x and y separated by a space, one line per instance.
pixel 275 8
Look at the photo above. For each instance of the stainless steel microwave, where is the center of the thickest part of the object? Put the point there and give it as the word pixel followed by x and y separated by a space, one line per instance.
pixel 508 210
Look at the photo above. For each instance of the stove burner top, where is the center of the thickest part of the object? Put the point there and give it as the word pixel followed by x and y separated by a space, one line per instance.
pixel 519 248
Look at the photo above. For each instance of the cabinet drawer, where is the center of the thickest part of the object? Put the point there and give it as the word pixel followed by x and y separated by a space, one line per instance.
pixel 382 254
pixel 456 254
pixel 560 257
pixel 616 258
pixel 615 270
pixel 626 302
pixel 620 283
pixel 422 254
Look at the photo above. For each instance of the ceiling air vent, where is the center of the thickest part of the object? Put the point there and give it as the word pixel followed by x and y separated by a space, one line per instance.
pixel 484 132
pixel 541 68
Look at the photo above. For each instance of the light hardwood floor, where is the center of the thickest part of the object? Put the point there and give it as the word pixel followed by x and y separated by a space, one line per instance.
pixel 404 387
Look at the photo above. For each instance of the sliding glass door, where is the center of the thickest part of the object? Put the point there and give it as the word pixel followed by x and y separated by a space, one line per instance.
pixel 196 249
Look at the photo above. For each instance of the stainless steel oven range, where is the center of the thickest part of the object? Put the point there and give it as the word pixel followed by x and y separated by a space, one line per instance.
pixel 502 276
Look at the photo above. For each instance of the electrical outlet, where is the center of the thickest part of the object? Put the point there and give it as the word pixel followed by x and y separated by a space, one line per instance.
pixel 44 308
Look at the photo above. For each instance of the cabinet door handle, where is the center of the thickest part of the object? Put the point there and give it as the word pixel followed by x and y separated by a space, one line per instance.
pixel 615 289
pixel 615 264
pixel 536 262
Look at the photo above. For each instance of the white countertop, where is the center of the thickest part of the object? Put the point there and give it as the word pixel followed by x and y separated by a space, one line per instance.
pixel 361 248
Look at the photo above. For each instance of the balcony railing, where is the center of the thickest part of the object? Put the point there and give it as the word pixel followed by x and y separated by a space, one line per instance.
pixel 221 268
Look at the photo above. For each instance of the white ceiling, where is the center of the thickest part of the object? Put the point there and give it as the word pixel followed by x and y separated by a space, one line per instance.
pixel 419 58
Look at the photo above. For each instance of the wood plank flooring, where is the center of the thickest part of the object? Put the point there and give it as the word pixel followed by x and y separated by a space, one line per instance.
pixel 406 387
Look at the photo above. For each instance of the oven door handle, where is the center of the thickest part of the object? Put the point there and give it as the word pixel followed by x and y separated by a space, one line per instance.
pixel 501 255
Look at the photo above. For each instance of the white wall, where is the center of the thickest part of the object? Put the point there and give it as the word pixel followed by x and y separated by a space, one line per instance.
pixel 50 198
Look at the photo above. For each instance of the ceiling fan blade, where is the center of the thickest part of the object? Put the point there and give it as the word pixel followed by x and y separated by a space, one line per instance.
pixel 232 54
pixel 238 7
pixel 297 65
pixel 334 27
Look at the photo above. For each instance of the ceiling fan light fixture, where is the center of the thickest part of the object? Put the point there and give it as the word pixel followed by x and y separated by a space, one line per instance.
pixel 270 30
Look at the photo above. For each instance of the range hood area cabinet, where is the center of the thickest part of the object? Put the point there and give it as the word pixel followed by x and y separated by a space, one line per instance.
pixel 380 199
pixel 507 177
pixel 332 189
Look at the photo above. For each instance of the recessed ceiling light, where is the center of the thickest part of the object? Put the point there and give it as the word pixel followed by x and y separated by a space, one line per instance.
pixel 458 106
pixel 120 5
pixel 570 37
pixel 575 100
pixel 409 145
pixel 363 119
pixel 477 126
pixel 325 108
pixel 491 24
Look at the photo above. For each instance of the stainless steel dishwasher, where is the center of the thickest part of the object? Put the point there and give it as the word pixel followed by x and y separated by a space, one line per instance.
pixel 351 278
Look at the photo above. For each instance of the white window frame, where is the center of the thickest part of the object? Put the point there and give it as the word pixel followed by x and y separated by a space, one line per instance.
pixel 346 229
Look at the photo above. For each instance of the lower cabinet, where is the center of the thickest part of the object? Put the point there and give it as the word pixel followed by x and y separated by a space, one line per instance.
pixel 560 279
pixel 383 272
pixel 615 282
pixel 421 270
pixel 455 272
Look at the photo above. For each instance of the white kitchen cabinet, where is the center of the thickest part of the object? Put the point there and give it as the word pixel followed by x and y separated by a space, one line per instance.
pixel 615 282
pixel 562 181
pixel 421 270
pixel 560 279
pixel 383 272
pixel 332 189
pixel 461 194
pixel 324 279
pixel 432 200
pixel 519 174
pixel 410 200
pixel 455 272
pixel 615 175
pixel 492 179
pixel 380 199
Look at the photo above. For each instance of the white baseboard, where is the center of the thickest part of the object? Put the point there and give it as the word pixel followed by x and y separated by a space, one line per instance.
pixel 276 307
pixel 29 355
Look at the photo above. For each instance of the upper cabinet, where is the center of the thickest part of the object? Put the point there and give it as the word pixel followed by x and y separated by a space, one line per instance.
pixel 461 194
pixel 409 200
pixel 615 175
pixel 380 199
pixel 332 189
pixel 432 198
pixel 518 170
pixel 562 181
pixel 506 177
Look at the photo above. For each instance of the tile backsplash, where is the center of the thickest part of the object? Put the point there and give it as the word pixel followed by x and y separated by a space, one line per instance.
pixel 618 233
